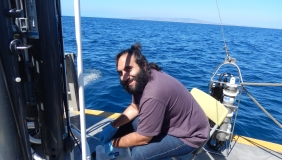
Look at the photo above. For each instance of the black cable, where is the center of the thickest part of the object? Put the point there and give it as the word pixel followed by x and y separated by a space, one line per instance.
pixel 75 141
pixel 64 74
pixel 63 68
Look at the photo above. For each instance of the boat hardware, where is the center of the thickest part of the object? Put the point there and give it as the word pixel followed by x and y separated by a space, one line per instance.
pixel 14 13
pixel 18 79
pixel 225 89
pixel 31 13
pixel 17 45
pixel 257 103
pixel 22 23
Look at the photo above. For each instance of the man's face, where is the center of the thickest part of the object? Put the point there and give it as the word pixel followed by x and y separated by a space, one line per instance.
pixel 132 77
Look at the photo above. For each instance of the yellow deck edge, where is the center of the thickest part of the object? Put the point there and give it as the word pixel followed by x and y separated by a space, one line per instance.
pixel 239 139
pixel 257 142
pixel 110 115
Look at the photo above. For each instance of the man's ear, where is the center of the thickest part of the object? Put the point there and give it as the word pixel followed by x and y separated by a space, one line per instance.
pixel 145 67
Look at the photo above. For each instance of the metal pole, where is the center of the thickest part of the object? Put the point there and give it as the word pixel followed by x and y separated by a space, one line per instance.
pixel 261 84
pixel 80 77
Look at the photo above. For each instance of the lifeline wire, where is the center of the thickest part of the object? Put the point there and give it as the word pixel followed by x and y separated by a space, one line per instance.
pixel 256 102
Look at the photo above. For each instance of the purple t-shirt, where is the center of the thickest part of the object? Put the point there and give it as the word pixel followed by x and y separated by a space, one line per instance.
pixel 166 106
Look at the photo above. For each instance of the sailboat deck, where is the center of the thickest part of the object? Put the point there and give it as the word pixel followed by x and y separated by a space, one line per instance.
pixel 242 148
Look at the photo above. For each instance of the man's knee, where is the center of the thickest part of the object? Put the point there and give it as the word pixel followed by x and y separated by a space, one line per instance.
pixel 138 154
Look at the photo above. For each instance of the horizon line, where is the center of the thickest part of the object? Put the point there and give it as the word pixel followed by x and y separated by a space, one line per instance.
pixel 155 19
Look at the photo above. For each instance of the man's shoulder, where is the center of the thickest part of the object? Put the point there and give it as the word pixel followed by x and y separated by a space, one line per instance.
pixel 157 85
pixel 161 78
pixel 158 75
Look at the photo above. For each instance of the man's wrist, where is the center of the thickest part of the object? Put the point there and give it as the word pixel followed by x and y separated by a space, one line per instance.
pixel 114 125
pixel 114 142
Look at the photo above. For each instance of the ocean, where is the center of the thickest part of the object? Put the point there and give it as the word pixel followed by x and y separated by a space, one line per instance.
pixel 189 52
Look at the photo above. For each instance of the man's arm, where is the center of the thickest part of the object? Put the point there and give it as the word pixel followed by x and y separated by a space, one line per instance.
pixel 129 114
pixel 131 139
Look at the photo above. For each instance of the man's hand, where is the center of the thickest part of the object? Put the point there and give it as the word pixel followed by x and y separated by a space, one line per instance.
pixel 109 149
pixel 107 133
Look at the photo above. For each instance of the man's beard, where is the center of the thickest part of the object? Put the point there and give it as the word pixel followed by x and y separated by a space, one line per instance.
pixel 141 81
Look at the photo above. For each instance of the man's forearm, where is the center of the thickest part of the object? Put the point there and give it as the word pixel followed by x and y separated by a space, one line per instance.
pixel 130 140
pixel 129 114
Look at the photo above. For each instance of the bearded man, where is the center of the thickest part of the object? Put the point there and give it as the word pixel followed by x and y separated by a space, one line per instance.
pixel 163 119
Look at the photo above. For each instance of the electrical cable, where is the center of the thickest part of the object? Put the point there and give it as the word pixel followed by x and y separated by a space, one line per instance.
pixel 76 141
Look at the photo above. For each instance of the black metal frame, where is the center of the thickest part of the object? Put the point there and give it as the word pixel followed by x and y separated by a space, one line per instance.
pixel 39 93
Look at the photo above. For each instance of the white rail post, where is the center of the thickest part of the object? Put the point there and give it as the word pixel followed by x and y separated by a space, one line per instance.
pixel 80 77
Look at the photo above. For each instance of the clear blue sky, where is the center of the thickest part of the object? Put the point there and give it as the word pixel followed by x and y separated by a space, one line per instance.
pixel 254 13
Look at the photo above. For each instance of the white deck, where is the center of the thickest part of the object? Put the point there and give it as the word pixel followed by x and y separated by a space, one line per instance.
pixel 239 151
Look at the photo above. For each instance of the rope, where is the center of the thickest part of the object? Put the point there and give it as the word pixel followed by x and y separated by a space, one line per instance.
pixel 261 84
pixel 256 102
pixel 225 46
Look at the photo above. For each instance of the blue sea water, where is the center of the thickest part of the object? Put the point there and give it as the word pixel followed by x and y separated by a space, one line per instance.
pixel 189 52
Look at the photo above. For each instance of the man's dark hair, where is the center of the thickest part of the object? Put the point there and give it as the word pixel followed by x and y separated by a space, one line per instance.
pixel 155 66
pixel 140 59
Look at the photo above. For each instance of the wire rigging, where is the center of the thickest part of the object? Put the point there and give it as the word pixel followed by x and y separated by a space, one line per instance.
pixel 225 46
